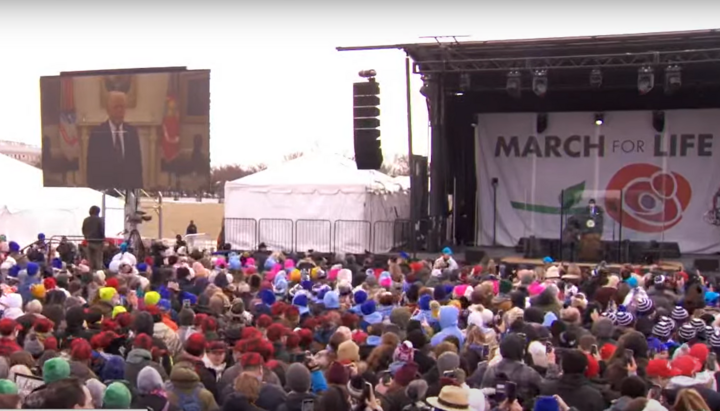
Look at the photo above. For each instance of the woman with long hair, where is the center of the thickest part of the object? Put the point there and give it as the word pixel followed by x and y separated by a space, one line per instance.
pixel 690 400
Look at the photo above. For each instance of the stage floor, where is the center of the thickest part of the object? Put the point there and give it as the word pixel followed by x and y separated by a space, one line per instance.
pixel 519 260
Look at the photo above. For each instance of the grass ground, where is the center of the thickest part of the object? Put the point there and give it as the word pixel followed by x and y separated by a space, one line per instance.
pixel 176 216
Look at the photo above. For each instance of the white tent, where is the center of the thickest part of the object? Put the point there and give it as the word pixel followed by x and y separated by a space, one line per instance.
pixel 318 201
pixel 27 208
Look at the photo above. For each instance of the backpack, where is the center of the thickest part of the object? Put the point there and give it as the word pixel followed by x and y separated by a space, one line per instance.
pixel 189 402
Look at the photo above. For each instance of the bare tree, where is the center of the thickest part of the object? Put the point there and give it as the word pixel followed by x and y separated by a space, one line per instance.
pixel 292 156
pixel 220 175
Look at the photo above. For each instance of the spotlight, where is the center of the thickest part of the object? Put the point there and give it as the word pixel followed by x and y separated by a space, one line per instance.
pixel 540 83
pixel 646 80
pixel 673 79
pixel 514 84
pixel 599 119
pixel 367 73
pixel 596 78
pixel 541 123
pixel 658 121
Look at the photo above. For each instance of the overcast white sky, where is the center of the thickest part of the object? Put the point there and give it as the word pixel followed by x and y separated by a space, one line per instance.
pixel 277 83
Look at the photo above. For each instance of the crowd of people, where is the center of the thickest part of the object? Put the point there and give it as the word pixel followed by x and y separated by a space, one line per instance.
pixel 266 331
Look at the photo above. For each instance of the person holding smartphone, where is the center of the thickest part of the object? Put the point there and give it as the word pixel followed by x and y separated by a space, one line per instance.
pixel 572 386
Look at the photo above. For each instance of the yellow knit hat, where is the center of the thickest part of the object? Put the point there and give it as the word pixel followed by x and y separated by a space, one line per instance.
pixel 456 304
pixel 295 276
pixel 117 310
pixel 107 293
pixel 152 298
pixel 435 309
pixel 38 291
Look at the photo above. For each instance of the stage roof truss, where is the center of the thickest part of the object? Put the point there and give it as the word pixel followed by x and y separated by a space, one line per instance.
pixel 455 62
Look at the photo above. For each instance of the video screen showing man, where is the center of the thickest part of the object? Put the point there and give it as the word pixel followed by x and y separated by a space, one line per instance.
pixel 113 157
pixel 127 129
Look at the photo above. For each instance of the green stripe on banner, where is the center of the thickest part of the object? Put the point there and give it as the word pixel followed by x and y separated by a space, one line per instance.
pixel 542 209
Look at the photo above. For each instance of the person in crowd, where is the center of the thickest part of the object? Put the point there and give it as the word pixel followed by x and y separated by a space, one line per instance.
pixel 93 230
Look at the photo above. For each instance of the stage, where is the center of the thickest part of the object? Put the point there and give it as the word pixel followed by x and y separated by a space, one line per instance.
pixel 670 266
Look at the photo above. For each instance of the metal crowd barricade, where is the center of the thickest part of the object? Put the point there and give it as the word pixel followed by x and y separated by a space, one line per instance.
pixel 276 233
pixel 352 236
pixel 313 235
pixel 392 235
pixel 242 233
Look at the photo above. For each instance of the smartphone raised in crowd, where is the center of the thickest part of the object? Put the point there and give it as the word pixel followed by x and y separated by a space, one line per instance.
pixel 486 351
pixel 594 349
pixel 711 362
pixel 629 354
pixel 548 348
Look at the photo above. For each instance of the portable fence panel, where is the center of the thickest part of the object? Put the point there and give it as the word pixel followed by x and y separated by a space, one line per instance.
pixel 313 235
pixel 242 233
pixel 352 236
pixel 276 233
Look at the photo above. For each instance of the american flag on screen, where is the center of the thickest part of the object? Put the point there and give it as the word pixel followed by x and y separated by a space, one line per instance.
pixel 69 140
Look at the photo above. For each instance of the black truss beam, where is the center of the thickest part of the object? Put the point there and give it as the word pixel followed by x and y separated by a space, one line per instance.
pixel 454 62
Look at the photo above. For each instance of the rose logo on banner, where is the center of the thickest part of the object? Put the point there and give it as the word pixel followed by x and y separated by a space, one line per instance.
pixel 653 200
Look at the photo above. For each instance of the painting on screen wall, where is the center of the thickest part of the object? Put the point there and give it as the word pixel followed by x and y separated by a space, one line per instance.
pixel 126 83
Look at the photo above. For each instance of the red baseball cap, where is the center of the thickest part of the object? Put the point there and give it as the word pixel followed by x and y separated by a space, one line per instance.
pixel 8 326
pixel 661 368
pixel 687 365
pixel 700 351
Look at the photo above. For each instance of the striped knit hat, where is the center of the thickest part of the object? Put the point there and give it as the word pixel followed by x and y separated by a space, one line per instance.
pixel 644 305
pixel 698 325
pixel 624 319
pixel 679 314
pixel 715 339
pixel 707 332
pixel 610 316
pixel 662 330
pixel 687 332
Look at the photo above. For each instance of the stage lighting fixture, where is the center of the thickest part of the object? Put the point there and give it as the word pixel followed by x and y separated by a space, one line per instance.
pixel 514 84
pixel 541 123
pixel 367 73
pixel 599 119
pixel 596 78
pixel 658 121
pixel 540 82
pixel 646 80
pixel 673 79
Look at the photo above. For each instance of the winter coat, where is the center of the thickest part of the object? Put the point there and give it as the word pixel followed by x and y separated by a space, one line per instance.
pixel 169 337
pixel 138 359
pixel 185 380
pixel 576 391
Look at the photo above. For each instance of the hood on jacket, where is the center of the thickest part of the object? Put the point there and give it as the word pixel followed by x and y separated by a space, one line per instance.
pixel 299 401
pixel 138 356
pixel 448 317
pixel 184 377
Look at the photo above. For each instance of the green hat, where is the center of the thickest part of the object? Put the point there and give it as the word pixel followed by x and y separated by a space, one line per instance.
pixel 8 387
pixel 505 286
pixel 55 369
pixel 117 396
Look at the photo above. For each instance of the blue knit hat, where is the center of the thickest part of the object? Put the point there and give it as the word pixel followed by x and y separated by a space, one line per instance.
pixel 424 302
pixel 267 297
pixel 546 404
pixel 368 307
pixel 360 296
pixel 331 300
pixel 32 269
pixel 14 247
pixel 439 293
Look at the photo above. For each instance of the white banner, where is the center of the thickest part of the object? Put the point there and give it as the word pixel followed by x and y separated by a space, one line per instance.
pixel 664 182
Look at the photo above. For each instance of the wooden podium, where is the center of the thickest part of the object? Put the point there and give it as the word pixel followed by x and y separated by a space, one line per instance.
pixel 590 247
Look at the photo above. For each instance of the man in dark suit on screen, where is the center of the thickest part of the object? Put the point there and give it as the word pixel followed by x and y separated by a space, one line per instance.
pixel 114 159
